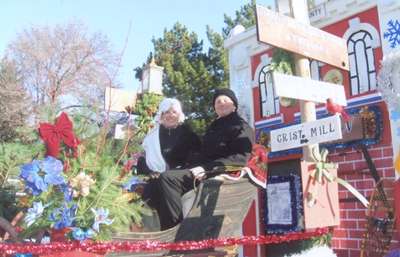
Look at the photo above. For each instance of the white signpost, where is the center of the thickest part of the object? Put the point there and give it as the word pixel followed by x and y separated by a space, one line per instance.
pixel 314 132
pixel 308 89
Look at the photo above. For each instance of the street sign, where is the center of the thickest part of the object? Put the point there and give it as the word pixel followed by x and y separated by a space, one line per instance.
pixel 308 89
pixel 314 132
pixel 284 32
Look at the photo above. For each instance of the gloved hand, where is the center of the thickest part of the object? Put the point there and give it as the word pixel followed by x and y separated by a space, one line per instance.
pixel 198 172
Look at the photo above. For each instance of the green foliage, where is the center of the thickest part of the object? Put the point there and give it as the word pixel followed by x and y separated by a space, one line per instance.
pixel 245 16
pixel 190 74
pixel 282 61
pixel 145 109
pixel 104 168
pixel 12 155
pixel 193 73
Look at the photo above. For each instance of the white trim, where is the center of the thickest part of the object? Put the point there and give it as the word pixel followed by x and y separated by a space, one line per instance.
pixel 355 26
pixel 274 121
pixel 265 60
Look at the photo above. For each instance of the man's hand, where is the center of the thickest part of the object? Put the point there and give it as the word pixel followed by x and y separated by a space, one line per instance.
pixel 198 172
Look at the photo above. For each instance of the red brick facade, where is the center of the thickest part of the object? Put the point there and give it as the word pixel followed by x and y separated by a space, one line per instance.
pixel 352 166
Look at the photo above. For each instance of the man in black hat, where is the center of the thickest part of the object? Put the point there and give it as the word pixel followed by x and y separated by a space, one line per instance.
pixel 227 142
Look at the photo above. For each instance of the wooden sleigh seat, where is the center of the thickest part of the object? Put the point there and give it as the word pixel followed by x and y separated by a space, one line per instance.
pixel 216 210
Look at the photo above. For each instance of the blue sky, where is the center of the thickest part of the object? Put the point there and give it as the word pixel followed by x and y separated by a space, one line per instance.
pixel 148 19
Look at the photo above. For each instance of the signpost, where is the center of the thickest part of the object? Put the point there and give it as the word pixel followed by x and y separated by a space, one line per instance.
pixel 289 34
pixel 308 89
pixel 319 131
pixel 305 41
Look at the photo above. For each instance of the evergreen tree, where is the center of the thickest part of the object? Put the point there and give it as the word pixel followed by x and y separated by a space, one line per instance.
pixel 192 74
pixel 246 17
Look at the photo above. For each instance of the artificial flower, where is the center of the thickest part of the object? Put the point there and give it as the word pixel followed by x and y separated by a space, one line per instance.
pixel 64 216
pixel 67 191
pixel 132 184
pixel 81 184
pixel 34 213
pixel 38 175
pixel 81 234
pixel 101 217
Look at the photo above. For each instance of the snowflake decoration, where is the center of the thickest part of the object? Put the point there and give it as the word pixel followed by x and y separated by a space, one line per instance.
pixel 393 33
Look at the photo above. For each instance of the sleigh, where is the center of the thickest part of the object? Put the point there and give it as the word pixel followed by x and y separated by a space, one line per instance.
pixel 215 209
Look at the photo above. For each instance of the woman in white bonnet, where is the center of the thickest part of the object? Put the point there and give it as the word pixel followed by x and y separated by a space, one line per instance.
pixel 169 145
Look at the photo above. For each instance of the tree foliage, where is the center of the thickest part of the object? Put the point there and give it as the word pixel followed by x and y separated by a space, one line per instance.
pixel 145 109
pixel 13 102
pixel 63 63
pixel 192 73
pixel 245 16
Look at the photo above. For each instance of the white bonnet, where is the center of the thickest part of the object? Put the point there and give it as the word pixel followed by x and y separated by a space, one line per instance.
pixel 165 105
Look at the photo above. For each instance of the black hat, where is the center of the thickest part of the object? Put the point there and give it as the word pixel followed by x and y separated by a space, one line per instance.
pixel 225 91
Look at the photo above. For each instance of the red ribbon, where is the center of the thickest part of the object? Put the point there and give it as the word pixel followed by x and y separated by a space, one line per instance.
pixel 258 162
pixel 52 135
pixel 8 249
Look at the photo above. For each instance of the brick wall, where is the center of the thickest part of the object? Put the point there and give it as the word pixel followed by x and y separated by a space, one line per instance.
pixel 348 236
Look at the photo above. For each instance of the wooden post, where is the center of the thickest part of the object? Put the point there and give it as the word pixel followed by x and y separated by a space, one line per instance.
pixel 302 65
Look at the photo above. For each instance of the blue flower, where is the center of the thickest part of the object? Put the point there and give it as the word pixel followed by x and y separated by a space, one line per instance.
pixel 34 213
pixel 30 173
pixel 90 233
pixel 67 191
pixel 101 217
pixel 38 175
pixel 63 217
pixel 80 234
pixel 132 184
pixel 53 169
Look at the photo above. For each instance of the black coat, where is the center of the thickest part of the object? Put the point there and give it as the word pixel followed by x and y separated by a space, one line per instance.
pixel 177 145
pixel 228 142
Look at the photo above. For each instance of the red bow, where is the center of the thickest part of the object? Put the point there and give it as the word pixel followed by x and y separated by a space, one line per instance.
pixel 334 108
pixel 258 162
pixel 52 135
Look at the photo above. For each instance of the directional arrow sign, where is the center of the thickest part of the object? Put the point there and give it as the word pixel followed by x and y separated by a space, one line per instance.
pixel 284 32
pixel 314 132
pixel 308 89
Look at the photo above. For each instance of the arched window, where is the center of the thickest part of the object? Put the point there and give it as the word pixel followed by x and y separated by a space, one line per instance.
pixel 269 103
pixel 362 62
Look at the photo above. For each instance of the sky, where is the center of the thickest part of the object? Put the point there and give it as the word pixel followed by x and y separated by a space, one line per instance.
pixel 137 21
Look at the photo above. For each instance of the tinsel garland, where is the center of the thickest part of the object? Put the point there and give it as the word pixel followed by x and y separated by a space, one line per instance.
pixel 8 249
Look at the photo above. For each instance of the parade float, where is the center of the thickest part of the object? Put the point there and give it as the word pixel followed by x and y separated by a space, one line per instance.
pixel 338 190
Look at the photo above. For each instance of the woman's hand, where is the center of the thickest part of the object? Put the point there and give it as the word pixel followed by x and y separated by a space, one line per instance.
pixel 198 172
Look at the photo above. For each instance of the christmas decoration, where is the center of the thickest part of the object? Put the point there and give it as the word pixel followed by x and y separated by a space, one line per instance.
pixel 61 131
pixel 393 33
pixel 389 80
pixel 8 249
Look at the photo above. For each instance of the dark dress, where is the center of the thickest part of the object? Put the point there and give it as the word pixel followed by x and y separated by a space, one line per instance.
pixel 228 141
